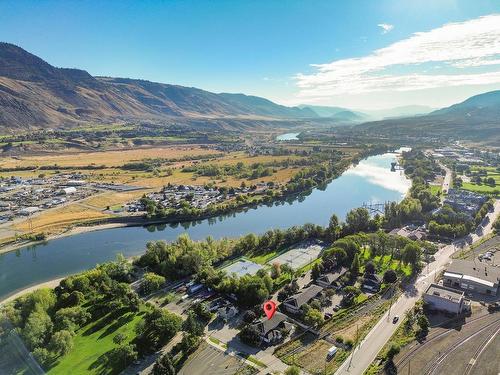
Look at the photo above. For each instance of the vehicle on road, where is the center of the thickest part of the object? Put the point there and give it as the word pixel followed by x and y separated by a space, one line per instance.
pixel 395 319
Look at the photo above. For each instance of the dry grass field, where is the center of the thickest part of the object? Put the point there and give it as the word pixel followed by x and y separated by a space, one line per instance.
pixel 107 158
pixel 56 220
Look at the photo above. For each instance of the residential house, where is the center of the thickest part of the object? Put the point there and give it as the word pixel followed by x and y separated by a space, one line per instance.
pixel 294 303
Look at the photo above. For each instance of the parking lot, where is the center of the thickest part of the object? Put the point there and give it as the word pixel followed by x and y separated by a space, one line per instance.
pixel 209 360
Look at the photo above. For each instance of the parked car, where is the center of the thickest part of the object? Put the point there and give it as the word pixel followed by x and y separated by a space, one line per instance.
pixel 395 319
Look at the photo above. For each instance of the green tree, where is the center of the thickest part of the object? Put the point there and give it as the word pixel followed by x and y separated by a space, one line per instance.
pixel 151 283
pixel 423 325
pixel 37 329
pixel 189 343
pixel 122 356
pixel 358 220
pixel 393 351
pixel 355 266
pixel 249 335
pixel 61 342
pixel 292 370
pixel 119 338
pixel 334 228
pixel 43 357
pixel 390 276
pixel 313 317
pixel 164 366
pixel 316 271
pixel 158 327
pixel 192 325
pixel 370 268
pixel 412 255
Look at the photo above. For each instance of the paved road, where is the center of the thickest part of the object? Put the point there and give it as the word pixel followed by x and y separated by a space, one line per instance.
pixel 368 349
pixel 446 181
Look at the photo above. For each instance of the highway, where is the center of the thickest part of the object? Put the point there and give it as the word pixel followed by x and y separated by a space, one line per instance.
pixel 366 352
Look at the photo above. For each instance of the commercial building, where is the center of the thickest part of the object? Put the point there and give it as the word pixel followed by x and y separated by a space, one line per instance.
pixel 472 276
pixel 442 298
pixel 294 303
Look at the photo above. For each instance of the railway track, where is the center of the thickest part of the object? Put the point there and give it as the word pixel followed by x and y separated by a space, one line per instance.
pixel 405 359
pixel 480 350
pixel 433 366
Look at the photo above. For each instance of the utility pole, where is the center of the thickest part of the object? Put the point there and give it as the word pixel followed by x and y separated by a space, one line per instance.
pixel 390 305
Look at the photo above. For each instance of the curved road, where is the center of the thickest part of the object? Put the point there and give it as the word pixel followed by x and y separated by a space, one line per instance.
pixel 366 352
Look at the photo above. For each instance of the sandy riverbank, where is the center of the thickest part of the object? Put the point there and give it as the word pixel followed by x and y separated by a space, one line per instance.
pixel 47 284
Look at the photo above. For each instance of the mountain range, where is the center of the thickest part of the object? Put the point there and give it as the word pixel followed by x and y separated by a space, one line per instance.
pixel 347 115
pixel 477 118
pixel 35 94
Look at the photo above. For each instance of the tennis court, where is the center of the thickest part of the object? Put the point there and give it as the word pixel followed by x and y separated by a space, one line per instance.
pixel 242 267
pixel 299 256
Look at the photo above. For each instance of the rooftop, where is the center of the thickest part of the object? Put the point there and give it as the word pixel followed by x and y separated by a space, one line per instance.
pixel 474 270
pixel 332 276
pixel 306 295
pixel 266 325
pixel 444 292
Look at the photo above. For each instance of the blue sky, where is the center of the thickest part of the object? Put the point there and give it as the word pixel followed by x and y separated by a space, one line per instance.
pixel 269 48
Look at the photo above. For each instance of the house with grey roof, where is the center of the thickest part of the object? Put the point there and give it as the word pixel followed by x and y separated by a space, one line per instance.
pixel 270 329
pixel 328 280
pixel 294 303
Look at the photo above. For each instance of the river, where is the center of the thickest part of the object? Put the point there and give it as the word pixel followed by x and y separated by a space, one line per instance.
pixel 369 181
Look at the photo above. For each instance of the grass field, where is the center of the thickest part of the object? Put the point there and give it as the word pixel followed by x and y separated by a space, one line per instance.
pixel 484 188
pixel 107 158
pixel 91 344
pixel 53 221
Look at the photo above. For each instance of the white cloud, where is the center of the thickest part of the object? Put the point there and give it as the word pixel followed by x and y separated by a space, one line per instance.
pixel 457 47
pixel 385 27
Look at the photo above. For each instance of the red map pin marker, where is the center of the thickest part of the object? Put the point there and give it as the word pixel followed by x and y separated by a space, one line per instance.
pixel 269 309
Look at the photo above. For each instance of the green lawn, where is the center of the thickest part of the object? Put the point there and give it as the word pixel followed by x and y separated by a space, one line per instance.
pixel 481 188
pixel 92 342
pixel 435 189
pixel 383 263
pixel 484 188
pixel 264 258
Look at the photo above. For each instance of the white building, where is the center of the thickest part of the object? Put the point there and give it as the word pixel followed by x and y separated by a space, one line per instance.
pixel 68 190
pixel 446 299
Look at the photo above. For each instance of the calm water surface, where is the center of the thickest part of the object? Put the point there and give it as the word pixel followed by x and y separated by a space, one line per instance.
pixel 369 181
